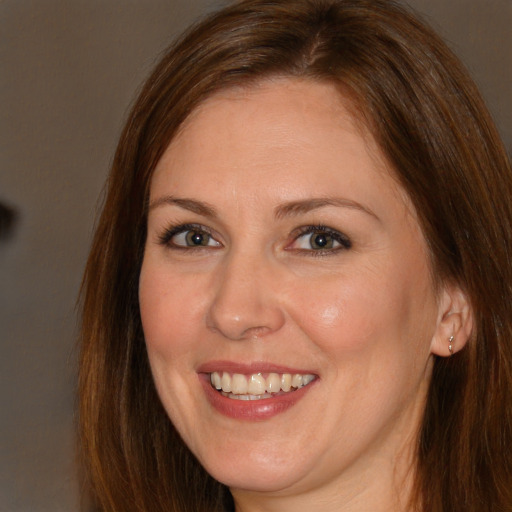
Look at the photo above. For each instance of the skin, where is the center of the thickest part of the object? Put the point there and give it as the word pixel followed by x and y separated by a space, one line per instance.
pixel 365 319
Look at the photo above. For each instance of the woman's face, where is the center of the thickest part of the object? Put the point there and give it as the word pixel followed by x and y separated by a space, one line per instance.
pixel 280 252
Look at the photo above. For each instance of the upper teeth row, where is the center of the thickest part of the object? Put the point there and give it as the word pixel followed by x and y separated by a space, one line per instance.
pixel 257 384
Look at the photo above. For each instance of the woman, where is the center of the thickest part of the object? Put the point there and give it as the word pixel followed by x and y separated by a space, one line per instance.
pixel 299 290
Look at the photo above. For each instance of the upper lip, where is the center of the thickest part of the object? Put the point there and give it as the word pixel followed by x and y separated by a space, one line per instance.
pixel 250 368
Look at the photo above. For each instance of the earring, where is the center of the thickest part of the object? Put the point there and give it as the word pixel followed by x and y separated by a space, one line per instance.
pixel 450 346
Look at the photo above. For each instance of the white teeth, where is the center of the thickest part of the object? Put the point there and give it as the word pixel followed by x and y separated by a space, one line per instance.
pixel 246 397
pixel 225 382
pixel 297 381
pixel 273 383
pixel 307 379
pixel 238 384
pixel 256 386
pixel 216 380
pixel 286 382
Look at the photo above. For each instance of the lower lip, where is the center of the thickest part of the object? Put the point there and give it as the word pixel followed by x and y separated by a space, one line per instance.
pixel 252 410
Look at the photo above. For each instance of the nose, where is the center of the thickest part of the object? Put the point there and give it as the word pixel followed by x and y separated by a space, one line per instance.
pixel 246 301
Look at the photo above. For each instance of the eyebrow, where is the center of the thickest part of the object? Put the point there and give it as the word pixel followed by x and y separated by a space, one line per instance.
pixel 199 207
pixel 300 207
pixel 290 209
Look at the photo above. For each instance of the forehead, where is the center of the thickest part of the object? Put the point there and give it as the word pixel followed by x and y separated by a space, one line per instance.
pixel 298 96
pixel 286 132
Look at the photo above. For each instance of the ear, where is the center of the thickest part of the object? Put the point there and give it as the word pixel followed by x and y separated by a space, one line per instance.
pixel 455 318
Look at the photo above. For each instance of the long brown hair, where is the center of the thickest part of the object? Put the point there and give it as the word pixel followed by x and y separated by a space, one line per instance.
pixel 431 123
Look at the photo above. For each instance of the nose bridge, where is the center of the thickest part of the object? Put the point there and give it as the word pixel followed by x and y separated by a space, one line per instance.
pixel 245 303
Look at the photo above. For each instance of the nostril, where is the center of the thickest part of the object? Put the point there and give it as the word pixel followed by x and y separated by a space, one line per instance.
pixel 237 330
pixel 253 324
pixel 256 332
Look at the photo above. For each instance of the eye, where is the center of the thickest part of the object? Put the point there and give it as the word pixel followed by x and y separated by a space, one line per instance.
pixel 188 236
pixel 319 239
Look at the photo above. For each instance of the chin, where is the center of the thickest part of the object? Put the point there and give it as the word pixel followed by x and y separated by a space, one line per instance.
pixel 256 471
pixel 255 479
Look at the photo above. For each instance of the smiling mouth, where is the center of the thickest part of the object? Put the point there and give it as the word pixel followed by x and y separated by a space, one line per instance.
pixel 258 386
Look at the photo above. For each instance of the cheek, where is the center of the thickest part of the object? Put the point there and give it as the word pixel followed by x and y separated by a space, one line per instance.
pixel 168 310
pixel 352 313
pixel 167 320
pixel 342 323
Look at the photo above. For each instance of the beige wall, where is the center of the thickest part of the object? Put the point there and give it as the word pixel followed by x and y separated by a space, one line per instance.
pixel 68 70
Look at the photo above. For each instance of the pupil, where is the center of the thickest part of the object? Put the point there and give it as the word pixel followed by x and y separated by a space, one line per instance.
pixel 321 240
pixel 195 238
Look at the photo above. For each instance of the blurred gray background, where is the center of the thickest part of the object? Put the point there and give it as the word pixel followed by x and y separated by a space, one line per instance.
pixel 68 71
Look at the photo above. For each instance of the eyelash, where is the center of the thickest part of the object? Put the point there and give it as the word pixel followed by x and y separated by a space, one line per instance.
pixel 166 237
pixel 344 242
pixel 335 235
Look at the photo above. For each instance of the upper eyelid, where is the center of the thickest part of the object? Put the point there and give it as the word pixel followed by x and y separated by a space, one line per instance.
pixel 340 237
pixel 311 228
pixel 165 236
pixel 315 228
